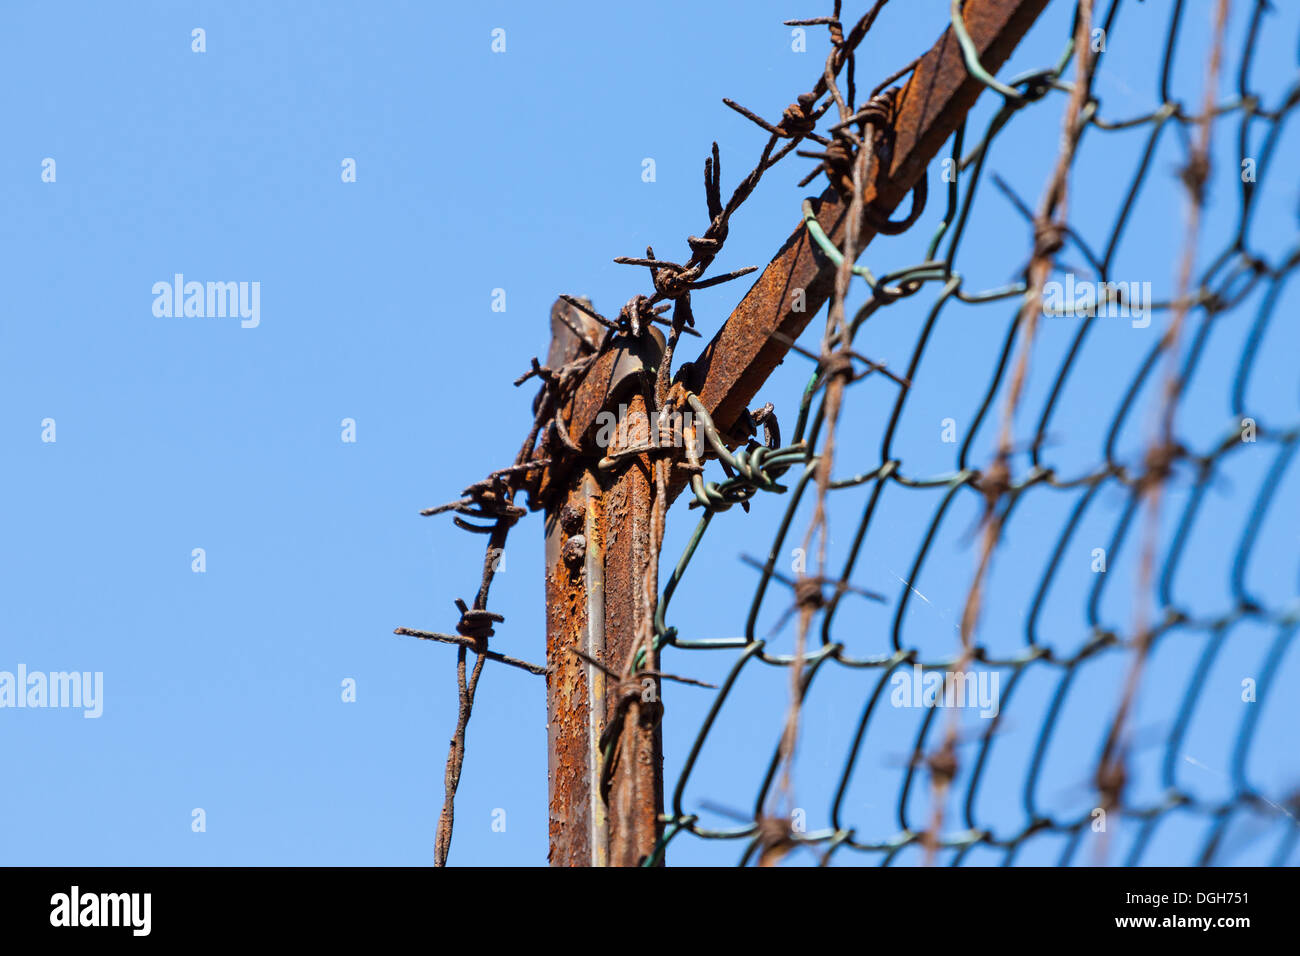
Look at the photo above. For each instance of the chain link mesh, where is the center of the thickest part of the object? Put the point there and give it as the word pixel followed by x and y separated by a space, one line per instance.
pixel 1054 495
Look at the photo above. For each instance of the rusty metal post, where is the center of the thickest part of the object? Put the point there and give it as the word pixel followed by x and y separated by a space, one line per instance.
pixel 575 692
pixel 594 586
pixel 575 619
pixel 597 555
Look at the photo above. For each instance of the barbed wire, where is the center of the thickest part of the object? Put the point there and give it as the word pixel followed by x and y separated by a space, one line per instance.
pixel 492 499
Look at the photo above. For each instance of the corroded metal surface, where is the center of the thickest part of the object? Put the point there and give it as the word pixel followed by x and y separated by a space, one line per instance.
pixel 636 796
pixel 597 553
pixel 575 693
pixel 629 364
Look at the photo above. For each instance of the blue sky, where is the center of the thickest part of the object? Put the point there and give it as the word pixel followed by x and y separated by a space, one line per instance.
pixel 519 171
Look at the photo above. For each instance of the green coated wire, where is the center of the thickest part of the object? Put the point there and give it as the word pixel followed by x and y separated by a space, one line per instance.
pixel 972 57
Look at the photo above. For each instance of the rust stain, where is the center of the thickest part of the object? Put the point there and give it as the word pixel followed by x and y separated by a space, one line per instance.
pixel 567 715
pixel 636 795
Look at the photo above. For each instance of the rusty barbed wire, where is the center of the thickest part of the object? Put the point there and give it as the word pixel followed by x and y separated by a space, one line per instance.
pixel 549 441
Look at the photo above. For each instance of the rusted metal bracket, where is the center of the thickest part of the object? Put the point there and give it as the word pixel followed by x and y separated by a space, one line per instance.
pixel 594 587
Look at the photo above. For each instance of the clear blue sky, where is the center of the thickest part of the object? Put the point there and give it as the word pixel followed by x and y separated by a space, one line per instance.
pixel 520 171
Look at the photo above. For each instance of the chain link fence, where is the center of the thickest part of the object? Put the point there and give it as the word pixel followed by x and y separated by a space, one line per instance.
pixel 1045 763
pixel 1029 593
